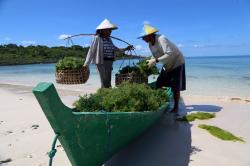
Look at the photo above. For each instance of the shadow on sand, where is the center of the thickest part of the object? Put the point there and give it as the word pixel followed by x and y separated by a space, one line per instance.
pixel 168 142
pixel 204 108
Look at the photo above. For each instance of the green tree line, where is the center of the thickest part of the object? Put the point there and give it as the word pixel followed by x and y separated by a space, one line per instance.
pixel 12 54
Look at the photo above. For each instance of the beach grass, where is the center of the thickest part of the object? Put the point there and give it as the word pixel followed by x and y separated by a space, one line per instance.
pixel 198 115
pixel 220 133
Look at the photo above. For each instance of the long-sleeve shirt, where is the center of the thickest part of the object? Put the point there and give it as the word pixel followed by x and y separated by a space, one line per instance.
pixel 167 53
pixel 96 51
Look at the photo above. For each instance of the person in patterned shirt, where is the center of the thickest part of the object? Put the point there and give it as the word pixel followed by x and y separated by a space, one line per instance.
pixel 102 52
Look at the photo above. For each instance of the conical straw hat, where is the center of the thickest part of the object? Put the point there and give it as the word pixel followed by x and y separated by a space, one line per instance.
pixel 106 24
pixel 148 30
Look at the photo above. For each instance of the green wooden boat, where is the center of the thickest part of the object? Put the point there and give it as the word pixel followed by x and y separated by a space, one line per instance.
pixel 91 138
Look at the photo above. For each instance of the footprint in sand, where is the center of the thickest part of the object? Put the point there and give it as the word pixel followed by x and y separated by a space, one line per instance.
pixel 34 126
pixel 194 150
pixel 9 132
pixel 59 146
pixel 235 99
pixel 29 156
pixel 6 161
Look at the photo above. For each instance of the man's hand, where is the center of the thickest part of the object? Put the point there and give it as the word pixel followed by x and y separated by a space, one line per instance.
pixel 151 62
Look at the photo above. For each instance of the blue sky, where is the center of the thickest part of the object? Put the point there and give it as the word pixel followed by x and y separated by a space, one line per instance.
pixel 198 27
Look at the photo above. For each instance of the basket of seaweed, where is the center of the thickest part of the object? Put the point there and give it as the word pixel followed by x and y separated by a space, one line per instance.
pixel 135 74
pixel 70 70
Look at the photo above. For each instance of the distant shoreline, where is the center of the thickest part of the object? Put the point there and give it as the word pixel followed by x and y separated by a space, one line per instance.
pixel 12 54
pixel 136 57
pixel 11 64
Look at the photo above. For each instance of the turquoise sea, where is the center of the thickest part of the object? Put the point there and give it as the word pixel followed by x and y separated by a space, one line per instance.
pixel 209 76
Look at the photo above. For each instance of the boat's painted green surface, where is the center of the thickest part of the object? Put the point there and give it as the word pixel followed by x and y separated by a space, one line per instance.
pixel 91 138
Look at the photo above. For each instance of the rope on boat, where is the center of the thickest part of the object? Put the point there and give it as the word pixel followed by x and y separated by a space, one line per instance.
pixel 53 150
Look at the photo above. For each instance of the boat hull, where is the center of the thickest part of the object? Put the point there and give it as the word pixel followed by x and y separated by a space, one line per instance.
pixel 91 138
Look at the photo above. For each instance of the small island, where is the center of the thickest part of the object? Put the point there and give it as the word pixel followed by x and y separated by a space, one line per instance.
pixel 12 54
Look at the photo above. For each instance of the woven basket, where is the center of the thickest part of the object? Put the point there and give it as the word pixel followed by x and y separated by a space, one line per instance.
pixel 72 76
pixel 131 77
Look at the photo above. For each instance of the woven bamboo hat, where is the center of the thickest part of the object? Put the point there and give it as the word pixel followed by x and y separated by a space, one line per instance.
pixel 106 24
pixel 148 30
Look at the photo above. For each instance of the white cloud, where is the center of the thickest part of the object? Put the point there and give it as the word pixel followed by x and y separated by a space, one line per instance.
pixel 138 47
pixel 86 45
pixel 146 22
pixel 7 38
pixel 142 33
pixel 63 36
pixel 146 51
pixel 197 46
pixel 142 50
pixel 180 45
pixel 28 42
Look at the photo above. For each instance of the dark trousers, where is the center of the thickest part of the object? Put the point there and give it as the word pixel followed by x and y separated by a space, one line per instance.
pixel 105 73
pixel 176 79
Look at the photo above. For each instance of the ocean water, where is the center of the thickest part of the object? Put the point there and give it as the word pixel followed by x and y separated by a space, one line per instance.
pixel 209 76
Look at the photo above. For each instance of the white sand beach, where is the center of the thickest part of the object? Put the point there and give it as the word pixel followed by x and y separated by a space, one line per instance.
pixel 200 46
pixel 26 135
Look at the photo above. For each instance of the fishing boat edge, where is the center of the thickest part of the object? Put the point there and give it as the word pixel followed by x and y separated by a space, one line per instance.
pixel 91 138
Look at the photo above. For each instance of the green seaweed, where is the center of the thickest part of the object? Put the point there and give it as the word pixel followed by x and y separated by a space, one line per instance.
pixel 69 63
pixel 126 97
pixel 220 133
pixel 198 115
pixel 141 68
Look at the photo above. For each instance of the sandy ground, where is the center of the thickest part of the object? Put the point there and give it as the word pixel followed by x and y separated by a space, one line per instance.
pixel 26 136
